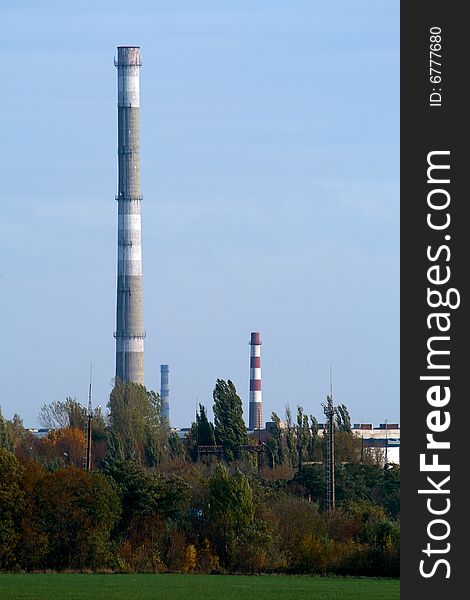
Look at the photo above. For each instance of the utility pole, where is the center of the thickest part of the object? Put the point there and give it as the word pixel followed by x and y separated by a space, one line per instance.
pixel 300 435
pixel 386 444
pixel 197 434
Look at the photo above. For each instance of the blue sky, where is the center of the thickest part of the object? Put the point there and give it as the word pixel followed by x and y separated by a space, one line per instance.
pixel 270 176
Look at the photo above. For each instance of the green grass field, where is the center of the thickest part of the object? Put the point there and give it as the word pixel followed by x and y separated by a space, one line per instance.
pixel 189 587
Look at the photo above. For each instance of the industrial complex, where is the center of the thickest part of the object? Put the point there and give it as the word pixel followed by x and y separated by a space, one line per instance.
pixel 129 332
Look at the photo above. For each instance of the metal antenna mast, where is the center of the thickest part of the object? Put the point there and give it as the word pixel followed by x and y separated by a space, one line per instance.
pixel 88 427
pixel 197 431
pixel 330 411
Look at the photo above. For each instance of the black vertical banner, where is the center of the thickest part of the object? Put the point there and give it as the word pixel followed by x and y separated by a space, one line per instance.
pixel 435 302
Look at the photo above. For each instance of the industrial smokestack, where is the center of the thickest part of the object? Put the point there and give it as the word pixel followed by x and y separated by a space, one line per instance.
pixel 165 392
pixel 256 405
pixel 129 331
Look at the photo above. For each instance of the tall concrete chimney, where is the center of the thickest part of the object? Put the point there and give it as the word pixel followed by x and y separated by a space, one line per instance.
pixel 165 391
pixel 129 331
pixel 256 404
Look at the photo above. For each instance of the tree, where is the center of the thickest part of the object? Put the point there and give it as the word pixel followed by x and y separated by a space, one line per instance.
pixel 343 420
pixel 175 446
pixel 275 442
pixel 289 434
pixel 62 447
pixel 201 433
pixel 173 497
pixel 14 437
pixel 59 415
pixel 137 427
pixel 6 438
pixel 230 428
pixel 99 437
pixel 388 493
pixel 231 508
pixel 33 542
pixel 295 441
pixel 302 434
pixel 77 510
pixel 347 447
pixel 11 505
pixel 17 430
pixel 205 434
pixel 99 425
pixel 136 487
pixel 312 448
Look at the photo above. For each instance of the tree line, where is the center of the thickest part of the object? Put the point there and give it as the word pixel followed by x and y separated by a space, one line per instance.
pixel 152 503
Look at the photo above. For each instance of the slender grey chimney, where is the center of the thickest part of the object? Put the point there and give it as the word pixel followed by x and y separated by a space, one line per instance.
pixel 129 331
pixel 165 391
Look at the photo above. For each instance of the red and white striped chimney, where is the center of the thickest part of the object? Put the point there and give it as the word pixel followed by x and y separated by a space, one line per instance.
pixel 256 404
